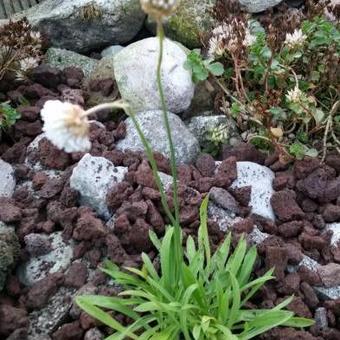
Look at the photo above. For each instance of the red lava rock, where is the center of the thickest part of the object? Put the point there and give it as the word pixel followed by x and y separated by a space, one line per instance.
pixel 188 214
pixel 203 184
pixel 73 76
pixel 276 257
pixel 287 334
pixel 76 275
pixel 162 162
pixel 41 291
pixel 242 195
pixel 291 229
pixel 38 180
pixel 29 113
pixel 29 129
pixel 9 212
pixel 330 274
pixel 314 185
pixel 51 188
pixel 243 152
pixel 310 242
pixel 143 176
pixel 154 217
pixel 246 225
pixel 300 308
pixel 280 183
pixel 69 331
pixel 309 206
pixel 309 276
pixel 310 297
pixel 139 236
pixel 89 228
pixel 226 172
pixel 69 196
pixel 294 253
pixel 332 191
pixel 205 164
pixel 12 318
pixel 114 156
pixel 87 322
pixel 134 210
pixel 115 251
pixel 52 157
pixel 334 162
pixel 285 206
pixel 224 199
pixel 74 96
pixel 46 75
pixel 122 224
pixel 16 153
pixel 184 173
pixel 331 213
pixel 13 287
pixel 290 284
pixel 36 91
pixel 303 168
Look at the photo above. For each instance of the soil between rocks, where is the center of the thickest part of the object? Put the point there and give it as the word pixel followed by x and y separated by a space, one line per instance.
pixel 306 198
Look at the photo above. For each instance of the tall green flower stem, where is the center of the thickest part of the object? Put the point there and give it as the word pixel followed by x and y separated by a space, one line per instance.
pixel 178 255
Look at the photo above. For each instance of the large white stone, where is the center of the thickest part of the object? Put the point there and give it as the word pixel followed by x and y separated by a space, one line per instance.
pixel 152 124
pixel 260 179
pixel 84 25
pixel 135 73
pixel 37 268
pixel 7 179
pixel 255 6
pixel 92 178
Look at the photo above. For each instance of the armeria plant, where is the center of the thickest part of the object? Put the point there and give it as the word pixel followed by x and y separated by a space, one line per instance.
pixel 195 294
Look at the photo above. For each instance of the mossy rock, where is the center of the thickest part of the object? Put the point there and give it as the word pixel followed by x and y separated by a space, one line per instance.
pixel 9 251
pixel 191 18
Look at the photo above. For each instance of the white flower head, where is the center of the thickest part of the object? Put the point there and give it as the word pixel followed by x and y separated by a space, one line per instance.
pixel 28 64
pixel 249 39
pixel 295 39
pixel 294 95
pixel 159 8
pixel 66 126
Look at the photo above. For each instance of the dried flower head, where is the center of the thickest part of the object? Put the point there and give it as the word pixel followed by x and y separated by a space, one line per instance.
pixel 295 39
pixel 20 48
pixel 295 95
pixel 230 37
pixel 66 125
pixel 159 8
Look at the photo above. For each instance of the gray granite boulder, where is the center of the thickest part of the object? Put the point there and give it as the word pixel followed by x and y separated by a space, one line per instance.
pixel 7 179
pixel 135 73
pixel 151 122
pixel 84 25
pixel 255 6
pixel 92 178
pixel 61 58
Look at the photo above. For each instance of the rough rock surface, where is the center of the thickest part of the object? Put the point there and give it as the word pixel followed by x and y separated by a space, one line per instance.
pixel 83 25
pixel 37 268
pixel 191 18
pixel 92 178
pixel 9 251
pixel 61 59
pixel 111 51
pixel 135 73
pixel 151 122
pixel 255 6
pixel 260 179
pixel 7 182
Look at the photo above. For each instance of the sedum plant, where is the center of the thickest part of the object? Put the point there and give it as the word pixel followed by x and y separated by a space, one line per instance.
pixel 8 116
pixel 194 294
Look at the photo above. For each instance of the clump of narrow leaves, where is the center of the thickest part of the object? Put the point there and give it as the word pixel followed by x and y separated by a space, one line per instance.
pixel 208 301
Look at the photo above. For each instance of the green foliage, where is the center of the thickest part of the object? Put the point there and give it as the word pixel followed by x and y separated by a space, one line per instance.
pixel 207 302
pixel 287 84
pixel 8 116
pixel 215 138
pixel 201 68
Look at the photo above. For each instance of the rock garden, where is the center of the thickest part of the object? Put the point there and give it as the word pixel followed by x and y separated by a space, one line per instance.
pixel 169 170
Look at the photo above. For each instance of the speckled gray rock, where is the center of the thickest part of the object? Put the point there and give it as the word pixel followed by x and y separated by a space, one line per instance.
pixel 135 73
pixel 190 20
pixel 260 179
pixel 83 25
pixel 7 179
pixel 9 251
pixel 94 334
pixel 61 58
pixel 44 321
pixel 111 51
pixel 151 122
pixel 255 6
pixel 37 268
pixel 335 228
pixel 202 126
pixel 92 178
